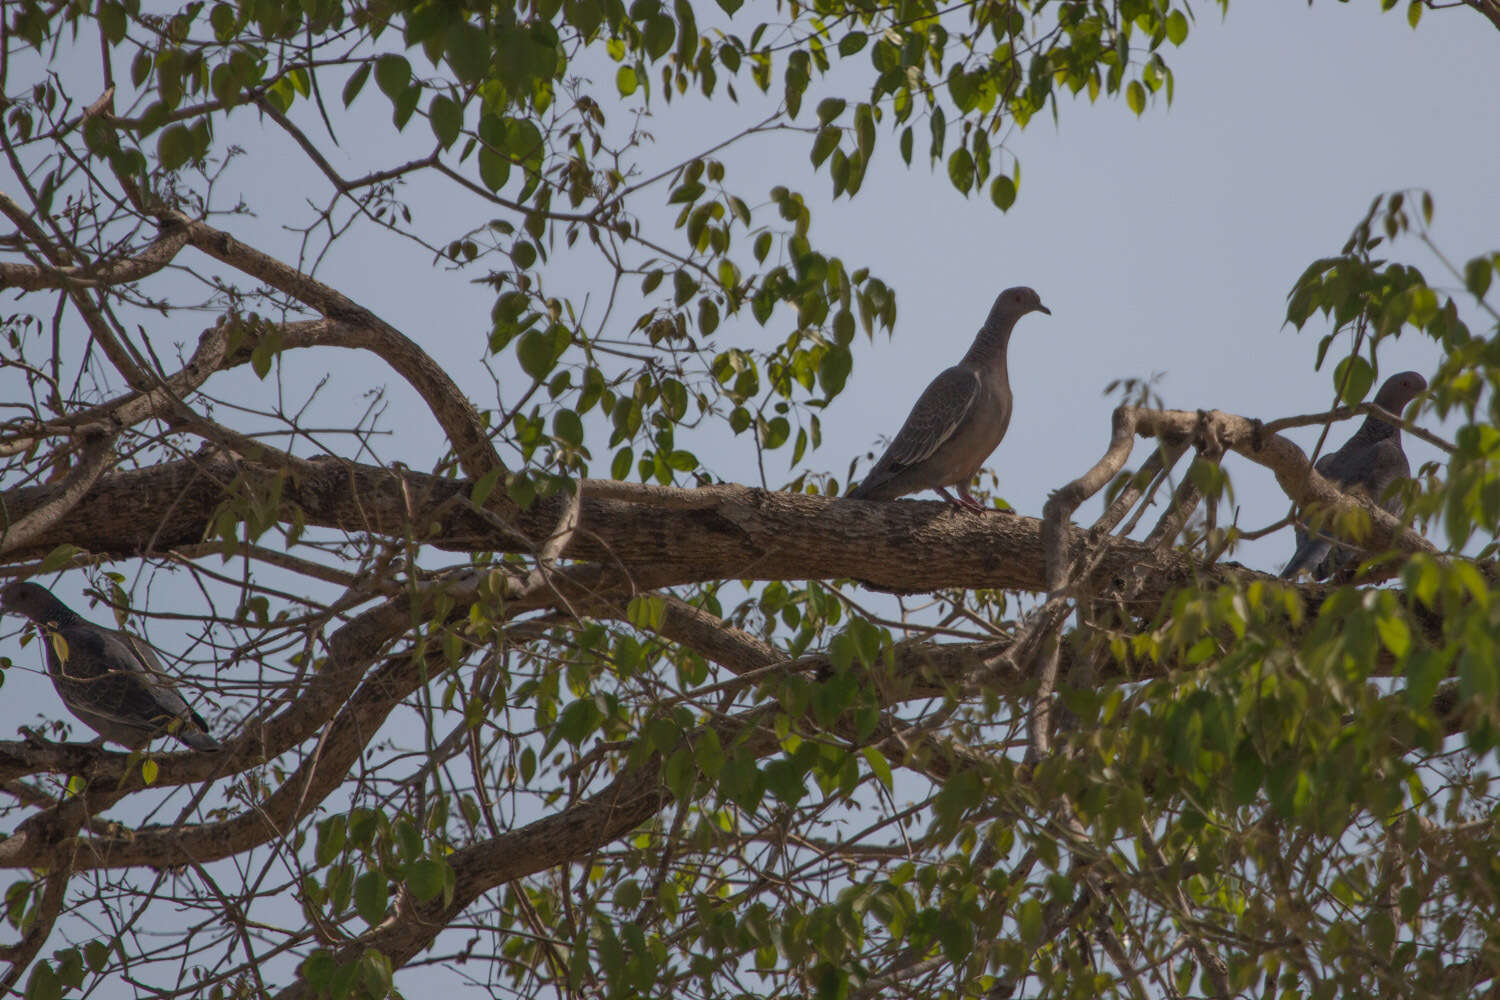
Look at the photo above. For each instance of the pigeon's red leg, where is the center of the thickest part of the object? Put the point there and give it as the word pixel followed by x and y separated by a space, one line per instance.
pixel 965 499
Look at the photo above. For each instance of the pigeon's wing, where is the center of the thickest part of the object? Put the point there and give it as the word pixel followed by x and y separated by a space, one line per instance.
pixel 192 729
pixel 1313 549
pixel 1388 466
pixel 114 679
pixel 1381 467
pixel 1374 469
pixel 154 676
pixel 939 411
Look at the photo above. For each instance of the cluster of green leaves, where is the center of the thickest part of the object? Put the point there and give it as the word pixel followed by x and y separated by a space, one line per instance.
pixel 1293 759
pixel 361 855
pixel 1318 742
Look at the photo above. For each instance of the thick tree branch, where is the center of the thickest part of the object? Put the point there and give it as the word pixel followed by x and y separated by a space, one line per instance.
pixel 98 454
pixel 151 258
pixel 1217 430
pixel 722 532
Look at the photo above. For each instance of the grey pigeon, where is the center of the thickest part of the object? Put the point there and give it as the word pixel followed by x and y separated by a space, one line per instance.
pixel 958 420
pixel 111 680
pixel 1371 461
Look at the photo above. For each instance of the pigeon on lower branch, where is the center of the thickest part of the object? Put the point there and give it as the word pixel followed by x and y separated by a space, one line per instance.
pixel 109 679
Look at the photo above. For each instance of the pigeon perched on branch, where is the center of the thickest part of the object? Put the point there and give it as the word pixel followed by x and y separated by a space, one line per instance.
pixel 958 420
pixel 111 680
pixel 1372 461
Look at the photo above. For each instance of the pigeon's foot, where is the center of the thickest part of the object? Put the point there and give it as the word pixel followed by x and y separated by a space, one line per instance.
pixel 967 502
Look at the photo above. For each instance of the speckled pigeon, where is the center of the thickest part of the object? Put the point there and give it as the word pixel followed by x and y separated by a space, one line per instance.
pixel 1371 461
pixel 958 420
pixel 111 680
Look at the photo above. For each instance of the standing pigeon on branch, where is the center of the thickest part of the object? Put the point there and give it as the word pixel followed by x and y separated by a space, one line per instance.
pixel 1372 461
pixel 111 680
pixel 958 420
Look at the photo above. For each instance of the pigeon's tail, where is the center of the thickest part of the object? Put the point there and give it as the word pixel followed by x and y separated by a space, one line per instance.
pixel 875 486
pixel 1309 556
pixel 198 740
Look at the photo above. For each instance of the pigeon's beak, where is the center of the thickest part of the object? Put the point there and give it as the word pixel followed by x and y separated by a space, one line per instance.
pixel 1044 309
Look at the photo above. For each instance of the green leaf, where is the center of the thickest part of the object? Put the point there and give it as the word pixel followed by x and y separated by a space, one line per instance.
pixel 864 130
pixel 1478 273
pixel 830 108
pixel 774 432
pixel 57 558
pixel 447 119
pixel 149 770
pixel 428 878
pixel 375 973
pixel 709 753
pixel 96 953
pixel 567 425
pixel 1395 635
pixel 174 147
pixel 852 43
pixel 468 50
pixel 1177 27
pixel 762 246
pixel 646 611
pixel 1003 192
pixel 660 31
pixel 1360 376
pixel 1414 12
pixel 371 896
pixel 43 983
pixel 392 74
pixel 537 352
pixel 961 169
pixel 1029 918
pixel 879 766
pixel 356 83
pixel 485 486
pixel 825 143
pixel 626 81
pixel 1135 97
pixel 577 721
pixel 113 23
pixel 833 370
pixel 683 287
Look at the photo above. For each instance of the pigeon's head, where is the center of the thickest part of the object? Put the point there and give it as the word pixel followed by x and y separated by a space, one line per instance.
pixel 1398 390
pixel 1021 300
pixel 22 597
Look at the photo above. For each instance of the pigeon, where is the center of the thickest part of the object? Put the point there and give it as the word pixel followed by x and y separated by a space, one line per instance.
pixel 111 680
pixel 1372 461
pixel 958 420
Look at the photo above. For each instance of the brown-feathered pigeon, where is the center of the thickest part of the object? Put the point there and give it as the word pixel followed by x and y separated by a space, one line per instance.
pixel 111 680
pixel 958 420
pixel 1373 461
